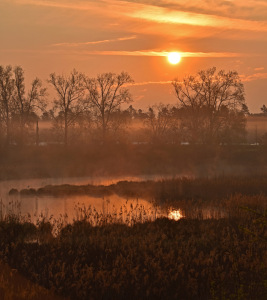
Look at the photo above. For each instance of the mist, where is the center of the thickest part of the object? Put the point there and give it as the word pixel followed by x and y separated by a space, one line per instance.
pixel 101 199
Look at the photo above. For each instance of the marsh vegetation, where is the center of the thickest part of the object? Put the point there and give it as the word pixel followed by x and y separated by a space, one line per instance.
pixel 99 256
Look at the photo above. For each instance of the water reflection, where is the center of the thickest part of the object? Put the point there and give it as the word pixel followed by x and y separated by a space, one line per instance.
pixel 175 214
pixel 68 209
pixel 71 208
pixel 114 207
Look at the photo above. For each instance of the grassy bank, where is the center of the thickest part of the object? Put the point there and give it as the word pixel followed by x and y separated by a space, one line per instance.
pixel 128 159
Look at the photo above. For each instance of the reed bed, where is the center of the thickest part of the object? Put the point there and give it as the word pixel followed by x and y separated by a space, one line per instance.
pixel 217 251
pixel 100 257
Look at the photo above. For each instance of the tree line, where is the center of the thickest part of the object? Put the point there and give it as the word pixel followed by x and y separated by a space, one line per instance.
pixel 210 108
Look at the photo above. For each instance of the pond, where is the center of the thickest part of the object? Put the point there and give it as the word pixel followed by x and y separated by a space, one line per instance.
pixel 69 208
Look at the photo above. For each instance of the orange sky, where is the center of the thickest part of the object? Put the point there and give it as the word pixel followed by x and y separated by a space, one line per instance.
pixel 45 36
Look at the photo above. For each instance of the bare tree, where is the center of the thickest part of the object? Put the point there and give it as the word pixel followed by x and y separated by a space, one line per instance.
pixel 27 104
pixel 208 99
pixel 160 121
pixel 264 109
pixel 70 92
pixel 6 98
pixel 106 93
pixel 119 124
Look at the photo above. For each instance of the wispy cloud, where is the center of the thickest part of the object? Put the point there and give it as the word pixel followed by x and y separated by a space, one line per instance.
pixel 150 83
pixel 169 12
pixel 128 53
pixel 236 9
pixel 172 16
pixel 94 42
pixel 78 5
pixel 164 53
pixel 256 76
pixel 251 8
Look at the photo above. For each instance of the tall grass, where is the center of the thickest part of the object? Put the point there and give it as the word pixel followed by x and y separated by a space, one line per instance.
pixel 163 259
pixel 218 251
pixel 13 286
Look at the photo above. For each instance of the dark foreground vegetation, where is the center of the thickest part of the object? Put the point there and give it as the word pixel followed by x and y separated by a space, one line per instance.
pixel 188 259
pixel 193 258
pixel 16 287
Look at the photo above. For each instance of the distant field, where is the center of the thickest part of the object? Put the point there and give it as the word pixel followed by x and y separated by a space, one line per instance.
pixel 256 128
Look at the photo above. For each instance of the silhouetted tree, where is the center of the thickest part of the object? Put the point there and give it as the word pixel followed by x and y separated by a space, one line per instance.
pixel 106 93
pixel 245 109
pixel 27 104
pixel 69 102
pixel 208 100
pixel 6 98
pixel 264 109
pixel 118 124
pixel 132 111
pixel 160 121
pixel 140 115
pixel 234 129
pixel 47 115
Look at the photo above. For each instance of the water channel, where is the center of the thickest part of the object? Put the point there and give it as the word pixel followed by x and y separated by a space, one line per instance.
pixel 69 208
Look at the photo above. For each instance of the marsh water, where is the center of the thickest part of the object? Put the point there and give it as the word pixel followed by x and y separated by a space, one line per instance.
pixel 69 208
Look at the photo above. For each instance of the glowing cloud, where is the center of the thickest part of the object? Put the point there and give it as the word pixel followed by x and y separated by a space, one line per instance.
pixel 163 53
pixel 256 76
pixel 175 13
pixel 164 15
pixel 150 83
pixel 57 4
pixel 94 42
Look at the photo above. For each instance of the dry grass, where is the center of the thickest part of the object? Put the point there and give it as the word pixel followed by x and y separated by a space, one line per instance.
pixel 13 286
pixel 99 257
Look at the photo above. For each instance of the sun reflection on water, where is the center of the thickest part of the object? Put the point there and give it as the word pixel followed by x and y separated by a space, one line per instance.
pixel 175 215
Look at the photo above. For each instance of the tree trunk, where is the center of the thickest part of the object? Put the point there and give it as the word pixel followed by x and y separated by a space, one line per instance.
pixel 22 131
pixel 7 132
pixel 103 129
pixel 7 123
pixel 37 134
pixel 66 130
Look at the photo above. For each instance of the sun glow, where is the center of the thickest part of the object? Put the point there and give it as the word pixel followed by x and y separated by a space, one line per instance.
pixel 174 57
pixel 175 215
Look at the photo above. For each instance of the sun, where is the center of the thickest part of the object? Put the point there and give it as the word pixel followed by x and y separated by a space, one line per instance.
pixel 174 57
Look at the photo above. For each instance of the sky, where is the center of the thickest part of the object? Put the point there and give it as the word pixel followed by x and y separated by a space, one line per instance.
pixel 97 36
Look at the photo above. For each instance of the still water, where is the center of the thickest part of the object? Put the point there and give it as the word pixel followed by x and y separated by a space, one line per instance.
pixel 69 208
